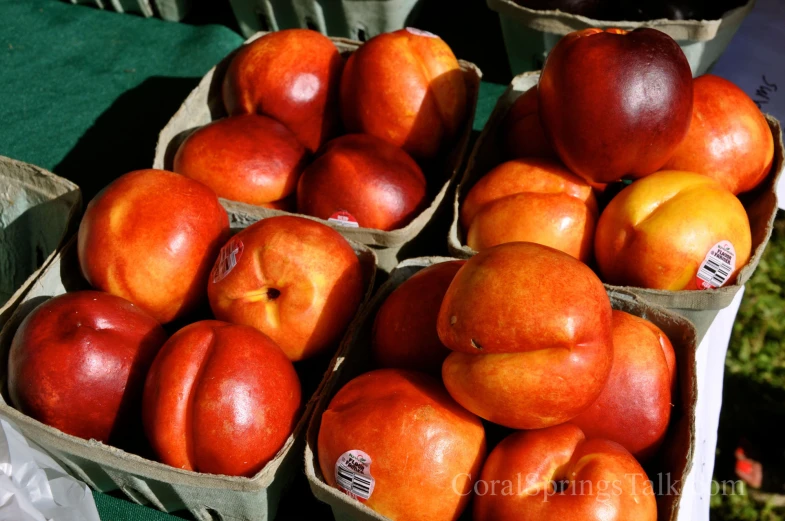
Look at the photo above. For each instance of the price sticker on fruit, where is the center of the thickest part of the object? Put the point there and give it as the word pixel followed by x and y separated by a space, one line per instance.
pixel 353 474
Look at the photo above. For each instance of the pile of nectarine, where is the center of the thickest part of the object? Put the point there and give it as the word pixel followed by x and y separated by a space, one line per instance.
pixel 612 108
pixel 522 336
pixel 218 396
pixel 341 140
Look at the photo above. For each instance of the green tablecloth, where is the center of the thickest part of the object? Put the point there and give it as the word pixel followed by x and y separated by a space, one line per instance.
pixel 84 93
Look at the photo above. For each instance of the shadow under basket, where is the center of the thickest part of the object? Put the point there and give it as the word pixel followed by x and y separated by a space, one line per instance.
pixel 38 211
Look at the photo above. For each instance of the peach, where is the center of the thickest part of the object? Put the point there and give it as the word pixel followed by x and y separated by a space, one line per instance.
pixel 531 200
pixel 729 138
pixel 294 279
pixel 292 76
pixel 393 429
pixel 530 330
pixel 404 331
pixel 251 159
pixel 673 231
pixel 378 184
pixel 407 88
pixel 151 237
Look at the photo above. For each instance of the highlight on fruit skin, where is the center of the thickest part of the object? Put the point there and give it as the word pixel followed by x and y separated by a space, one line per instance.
pixel 424 102
pixel 615 103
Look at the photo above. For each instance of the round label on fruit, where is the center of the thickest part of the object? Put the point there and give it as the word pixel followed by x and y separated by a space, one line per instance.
pixel 227 259
pixel 420 32
pixel 717 266
pixel 344 218
pixel 353 474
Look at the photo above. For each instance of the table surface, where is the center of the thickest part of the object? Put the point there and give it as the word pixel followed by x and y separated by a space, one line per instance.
pixel 85 93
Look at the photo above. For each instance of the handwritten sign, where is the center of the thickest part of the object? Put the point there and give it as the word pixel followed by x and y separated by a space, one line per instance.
pixel 753 61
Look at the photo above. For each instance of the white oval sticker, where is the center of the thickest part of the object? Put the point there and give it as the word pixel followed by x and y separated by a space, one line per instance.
pixel 227 259
pixel 353 474
pixel 420 32
pixel 344 218
pixel 717 266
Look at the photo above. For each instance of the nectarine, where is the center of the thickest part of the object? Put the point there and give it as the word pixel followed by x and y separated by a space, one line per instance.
pixel 673 231
pixel 615 103
pixel 221 399
pixel 404 331
pixel 405 87
pixel 293 76
pixel 252 159
pixel 635 405
pixel 378 184
pixel 531 200
pixel 521 132
pixel 151 237
pixel 388 430
pixel 555 474
pixel 530 328
pixel 729 138
pixel 78 363
pixel 294 279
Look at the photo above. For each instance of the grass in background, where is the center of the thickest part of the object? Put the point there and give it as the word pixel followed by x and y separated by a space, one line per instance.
pixel 754 386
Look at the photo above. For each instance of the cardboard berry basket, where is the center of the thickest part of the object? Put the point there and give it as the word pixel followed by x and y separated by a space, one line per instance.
pixel 170 10
pixel 105 468
pixel 38 210
pixel 205 104
pixel 700 306
pixel 530 34
pixel 673 462
pixel 355 19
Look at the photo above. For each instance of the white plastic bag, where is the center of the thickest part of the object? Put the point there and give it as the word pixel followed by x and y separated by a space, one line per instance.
pixel 33 487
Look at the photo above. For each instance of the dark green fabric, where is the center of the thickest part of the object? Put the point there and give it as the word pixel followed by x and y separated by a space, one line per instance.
pixel 84 93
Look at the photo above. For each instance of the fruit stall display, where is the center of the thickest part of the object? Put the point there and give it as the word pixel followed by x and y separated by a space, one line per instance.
pixel 381 178
pixel 718 175
pixel 285 289
pixel 643 399
pixel 210 320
